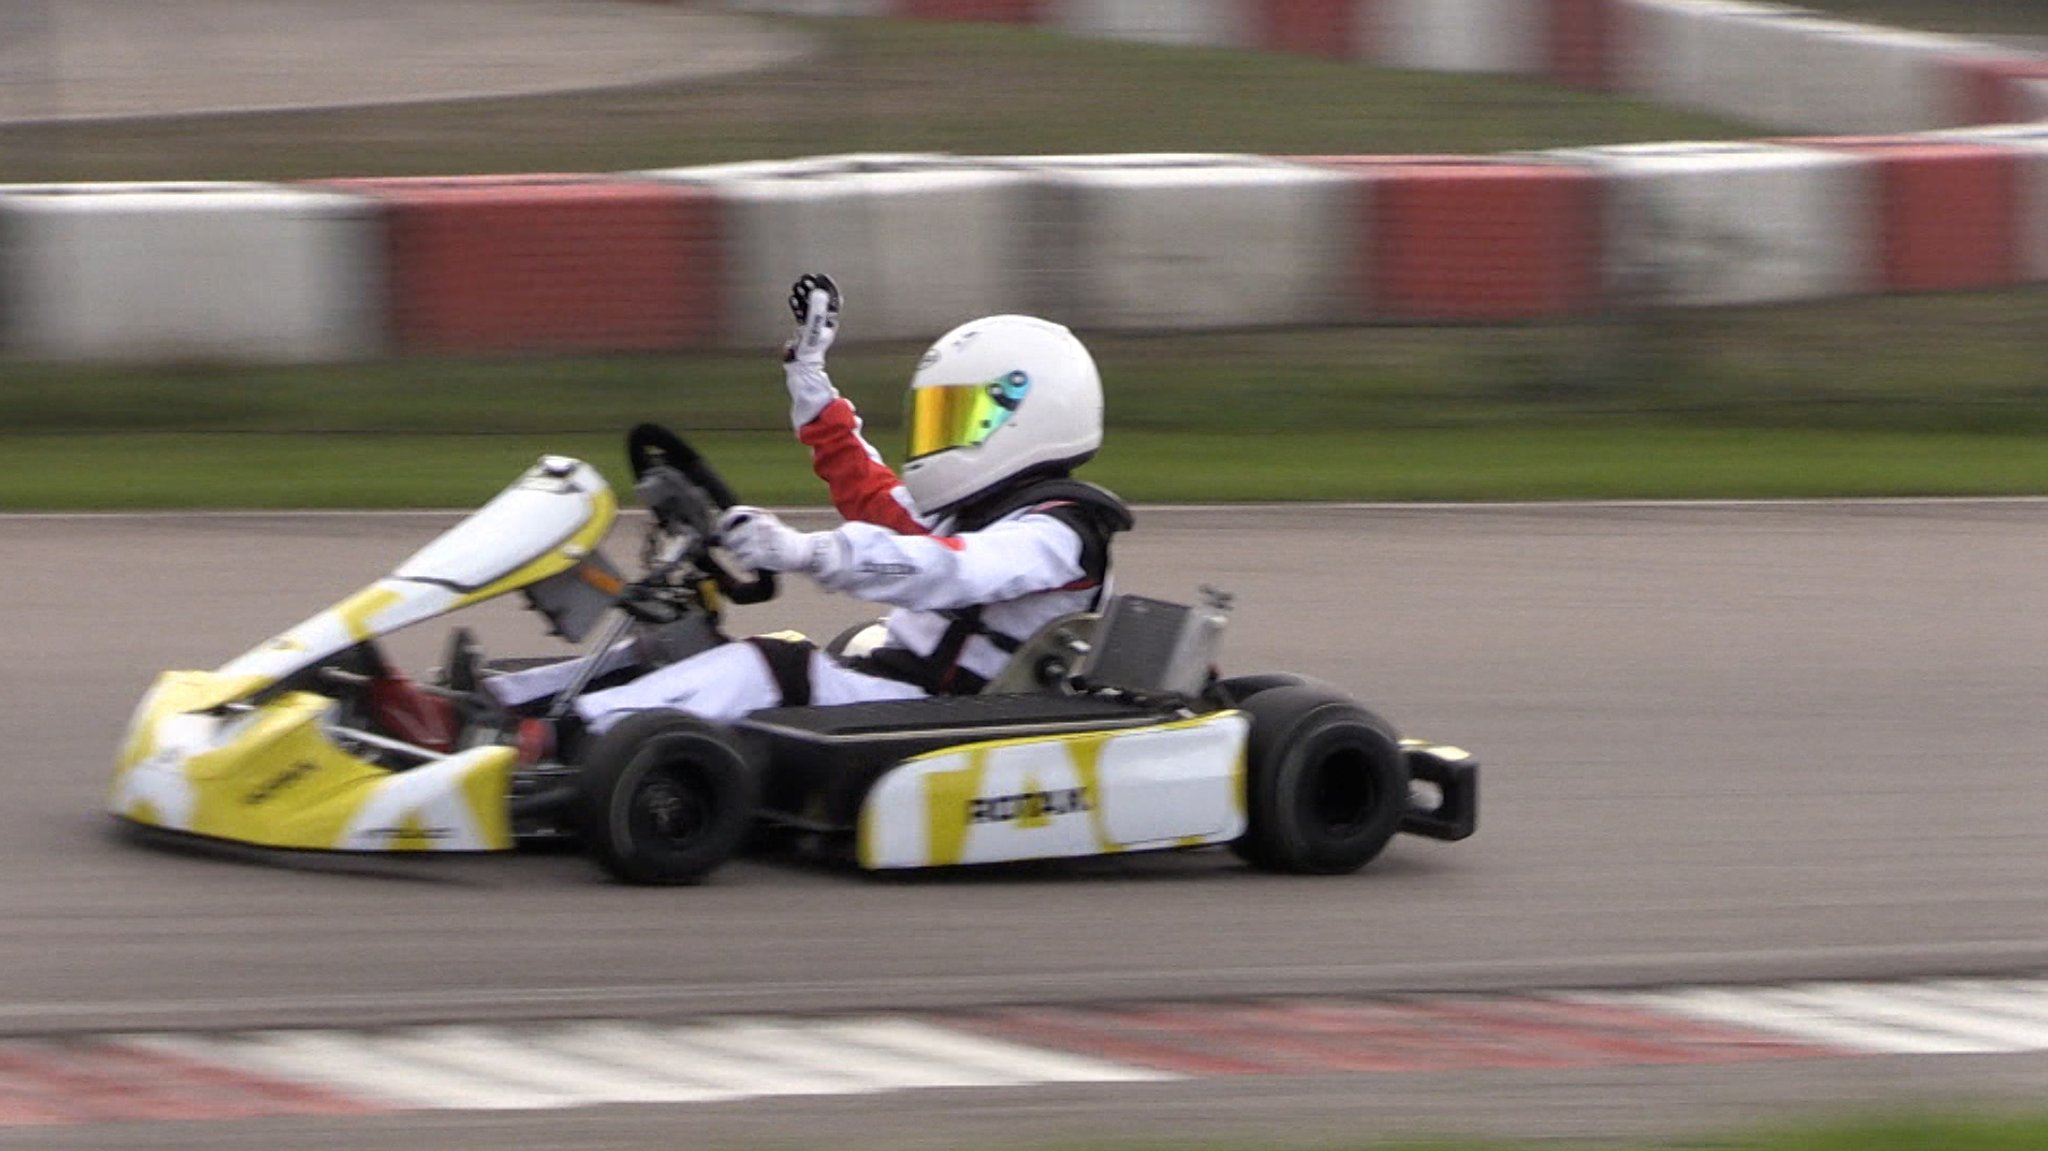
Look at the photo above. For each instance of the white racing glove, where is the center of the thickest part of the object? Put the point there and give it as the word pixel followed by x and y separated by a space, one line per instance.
pixel 814 301
pixel 762 542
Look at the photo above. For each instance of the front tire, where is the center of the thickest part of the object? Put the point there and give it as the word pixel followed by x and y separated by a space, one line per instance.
pixel 1327 783
pixel 666 798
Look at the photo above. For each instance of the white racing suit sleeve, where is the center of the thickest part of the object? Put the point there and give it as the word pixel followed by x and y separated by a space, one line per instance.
pixel 1005 561
pixel 810 392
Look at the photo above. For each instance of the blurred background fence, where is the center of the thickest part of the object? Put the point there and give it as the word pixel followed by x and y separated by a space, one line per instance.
pixel 966 214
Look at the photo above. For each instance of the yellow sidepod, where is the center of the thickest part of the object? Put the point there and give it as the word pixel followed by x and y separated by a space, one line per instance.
pixel 1174 784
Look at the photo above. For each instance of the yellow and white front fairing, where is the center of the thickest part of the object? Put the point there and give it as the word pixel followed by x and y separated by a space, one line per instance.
pixel 546 523
pixel 278 775
pixel 224 754
pixel 1178 784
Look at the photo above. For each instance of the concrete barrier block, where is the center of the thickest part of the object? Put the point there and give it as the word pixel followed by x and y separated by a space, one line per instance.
pixel 1997 89
pixel 1331 29
pixel 1467 238
pixel 1580 43
pixel 1727 58
pixel 546 263
pixel 1497 36
pixel 236 272
pixel 915 251
pixel 1189 23
pixel 2029 143
pixel 1949 209
pixel 1788 67
pixel 981 11
pixel 2033 100
pixel 1179 248
pixel 1734 223
pixel 806 166
pixel 1856 78
pixel 813 7
pixel 1125 161
pixel 1660 46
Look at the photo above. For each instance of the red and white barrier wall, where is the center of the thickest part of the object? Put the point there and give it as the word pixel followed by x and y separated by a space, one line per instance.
pixel 701 257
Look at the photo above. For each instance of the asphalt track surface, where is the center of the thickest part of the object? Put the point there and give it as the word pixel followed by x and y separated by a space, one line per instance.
pixel 1721 743
pixel 123 59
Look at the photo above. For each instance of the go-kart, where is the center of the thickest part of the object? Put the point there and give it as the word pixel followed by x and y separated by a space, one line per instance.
pixel 1108 732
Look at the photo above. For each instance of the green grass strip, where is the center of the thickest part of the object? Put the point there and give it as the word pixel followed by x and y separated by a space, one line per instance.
pixel 266 470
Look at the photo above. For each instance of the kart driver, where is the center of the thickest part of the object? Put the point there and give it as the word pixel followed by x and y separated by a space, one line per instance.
pixel 983 539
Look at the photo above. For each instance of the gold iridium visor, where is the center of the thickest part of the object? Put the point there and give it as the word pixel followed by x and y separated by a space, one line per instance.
pixel 961 415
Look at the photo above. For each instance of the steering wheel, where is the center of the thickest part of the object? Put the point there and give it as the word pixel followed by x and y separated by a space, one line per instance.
pixel 651 446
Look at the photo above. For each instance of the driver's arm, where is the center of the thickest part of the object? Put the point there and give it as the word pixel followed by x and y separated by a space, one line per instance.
pixel 1031 553
pixel 1034 552
pixel 863 488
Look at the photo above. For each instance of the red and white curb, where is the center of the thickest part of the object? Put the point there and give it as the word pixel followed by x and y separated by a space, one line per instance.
pixel 148 1077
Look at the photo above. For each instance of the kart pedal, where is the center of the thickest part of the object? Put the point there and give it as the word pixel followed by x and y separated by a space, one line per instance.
pixel 462 664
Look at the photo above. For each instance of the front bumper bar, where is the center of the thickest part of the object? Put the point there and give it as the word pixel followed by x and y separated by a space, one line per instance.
pixel 1453 812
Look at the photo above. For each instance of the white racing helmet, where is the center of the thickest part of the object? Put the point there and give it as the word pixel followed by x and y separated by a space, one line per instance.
pixel 993 399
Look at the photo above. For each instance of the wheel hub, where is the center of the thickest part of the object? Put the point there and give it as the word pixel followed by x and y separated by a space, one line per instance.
pixel 675 811
pixel 1342 793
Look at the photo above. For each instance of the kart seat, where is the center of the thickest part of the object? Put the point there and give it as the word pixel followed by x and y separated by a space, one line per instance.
pixel 1053 653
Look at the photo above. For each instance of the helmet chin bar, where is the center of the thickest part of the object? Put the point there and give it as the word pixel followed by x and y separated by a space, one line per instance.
pixel 1054 470
pixel 1052 418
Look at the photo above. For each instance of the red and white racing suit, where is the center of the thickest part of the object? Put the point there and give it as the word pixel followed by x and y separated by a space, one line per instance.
pixel 963 599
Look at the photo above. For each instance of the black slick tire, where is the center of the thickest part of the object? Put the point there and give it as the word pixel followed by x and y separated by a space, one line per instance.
pixel 666 798
pixel 1326 782
pixel 1234 691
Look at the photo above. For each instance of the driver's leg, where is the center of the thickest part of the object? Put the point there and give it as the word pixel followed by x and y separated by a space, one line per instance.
pixel 731 680
pixel 721 684
pixel 516 688
pixel 832 682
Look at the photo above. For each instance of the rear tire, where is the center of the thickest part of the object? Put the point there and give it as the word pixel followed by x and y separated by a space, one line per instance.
pixel 666 798
pixel 1327 784
pixel 1234 691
